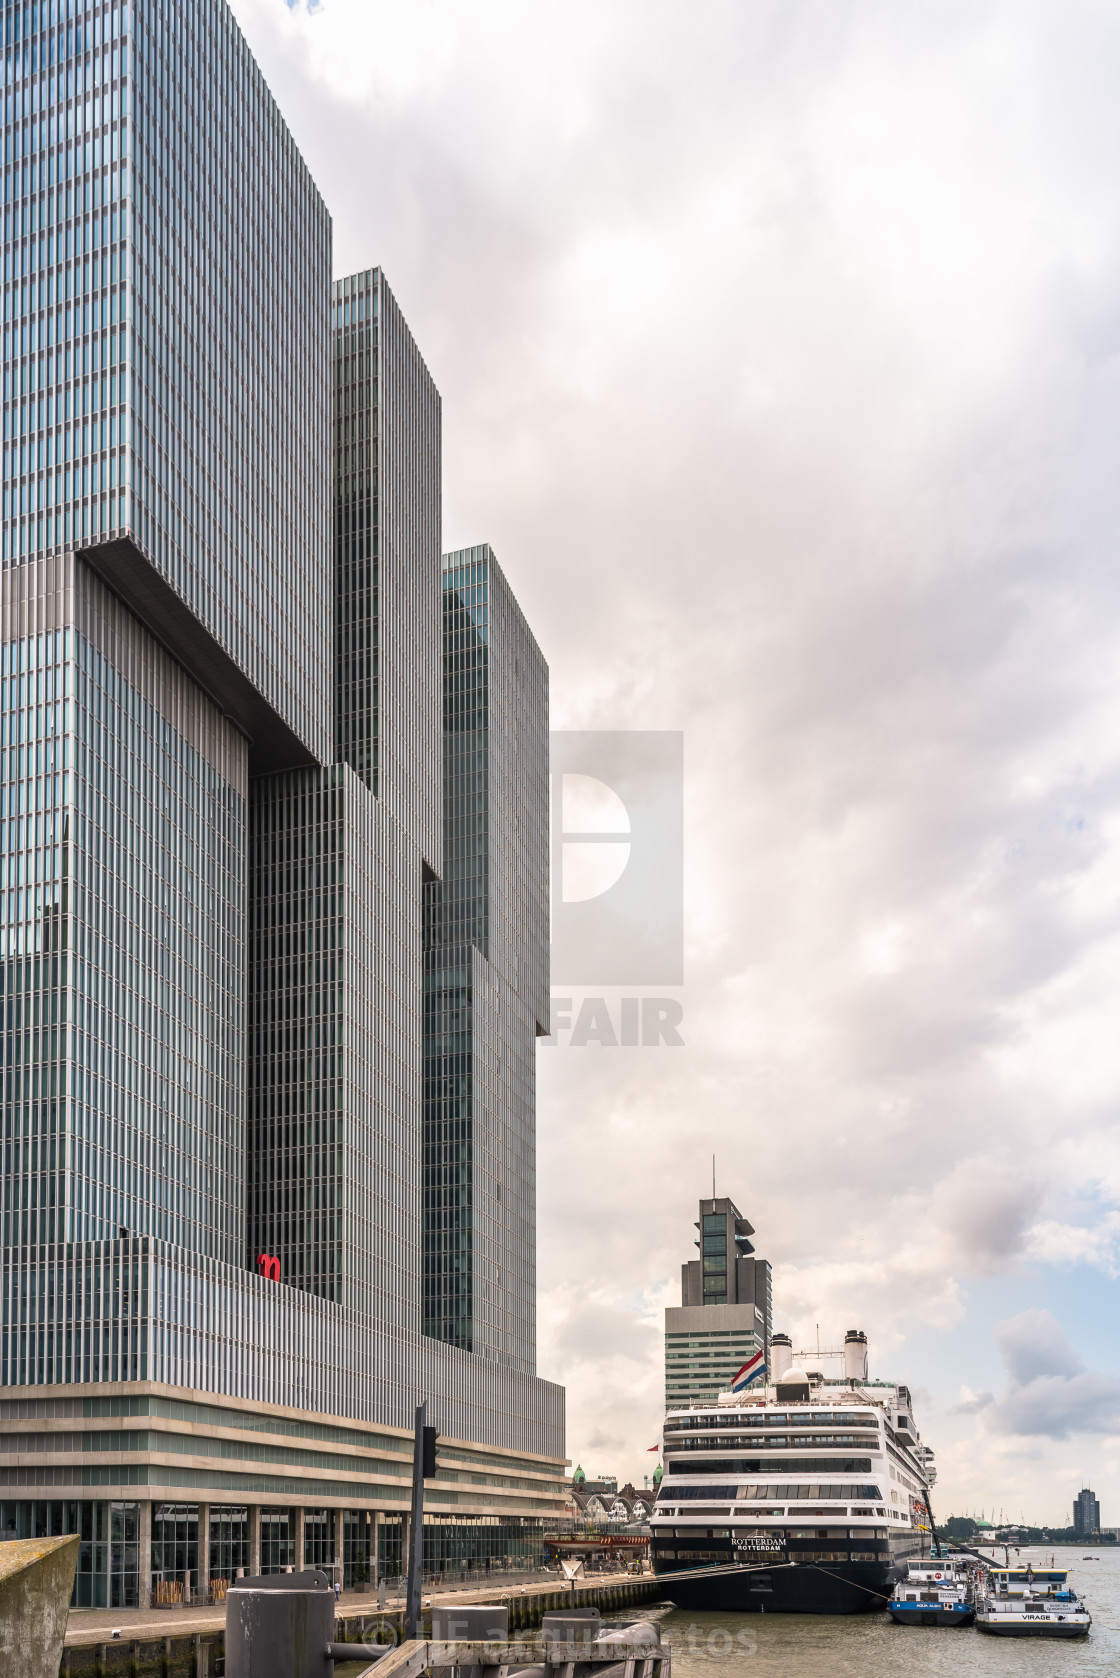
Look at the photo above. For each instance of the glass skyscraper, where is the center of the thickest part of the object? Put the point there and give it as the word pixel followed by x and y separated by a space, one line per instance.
pixel 486 972
pixel 223 725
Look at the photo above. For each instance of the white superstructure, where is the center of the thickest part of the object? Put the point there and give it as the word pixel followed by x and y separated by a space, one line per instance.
pixel 815 1455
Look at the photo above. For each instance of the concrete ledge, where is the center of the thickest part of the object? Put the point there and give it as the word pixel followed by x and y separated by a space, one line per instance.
pixel 36 1582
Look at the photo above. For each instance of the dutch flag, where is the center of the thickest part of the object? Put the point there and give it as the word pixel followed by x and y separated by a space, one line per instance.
pixel 751 1370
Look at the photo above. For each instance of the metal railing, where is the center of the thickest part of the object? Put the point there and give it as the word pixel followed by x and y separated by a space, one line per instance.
pixel 458 1578
pixel 595 1529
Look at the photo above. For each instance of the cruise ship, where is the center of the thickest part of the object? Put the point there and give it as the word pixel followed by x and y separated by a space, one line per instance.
pixel 808 1494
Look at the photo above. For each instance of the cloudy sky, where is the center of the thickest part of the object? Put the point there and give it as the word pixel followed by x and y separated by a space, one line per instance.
pixel 779 346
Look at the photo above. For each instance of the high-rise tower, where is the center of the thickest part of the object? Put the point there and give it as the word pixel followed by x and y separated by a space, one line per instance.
pixel 220 799
pixel 1086 1514
pixel 724 1314
pixel 486 972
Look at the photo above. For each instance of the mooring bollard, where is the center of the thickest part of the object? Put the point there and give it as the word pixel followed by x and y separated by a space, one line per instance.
pixel 469 1622
pixel 573 1625
pixel 279 1626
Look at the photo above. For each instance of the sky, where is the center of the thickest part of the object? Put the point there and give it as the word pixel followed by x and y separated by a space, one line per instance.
pixel 779 347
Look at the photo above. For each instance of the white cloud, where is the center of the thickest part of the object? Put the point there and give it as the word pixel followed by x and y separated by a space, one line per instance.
pixel 1097 1244
pixel 972 1403
pixel 1050 1391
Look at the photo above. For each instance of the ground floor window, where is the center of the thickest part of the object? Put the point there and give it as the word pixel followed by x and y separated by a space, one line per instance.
pixel 174 1552
pixel 124 1555
pixel 278 1540
pixel 357 1537
pixel 318 1539
pixel 482 1543
pixel 229 1545
pixel 390 1548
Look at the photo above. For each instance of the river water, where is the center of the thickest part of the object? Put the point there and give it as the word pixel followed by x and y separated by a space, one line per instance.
pixel 872 1646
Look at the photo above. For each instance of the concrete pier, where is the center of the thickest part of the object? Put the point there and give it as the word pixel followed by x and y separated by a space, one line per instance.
pixel 165 1644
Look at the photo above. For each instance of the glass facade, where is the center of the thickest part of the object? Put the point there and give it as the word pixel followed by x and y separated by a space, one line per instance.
pixel 122 911
pixel 139 1309
pixel 335 976
pixel 486 972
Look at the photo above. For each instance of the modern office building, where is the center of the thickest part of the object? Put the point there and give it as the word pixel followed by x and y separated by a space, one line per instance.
pixel 486 973
pixel 1086 1514
pixel 724 1314
pixel 220 799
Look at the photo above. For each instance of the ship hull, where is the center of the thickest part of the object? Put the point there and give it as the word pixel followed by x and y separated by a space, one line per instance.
pixel 1035 1628
pixel 778 1586
pixel 774 1583
pixel 851 1588
pixel 926 1614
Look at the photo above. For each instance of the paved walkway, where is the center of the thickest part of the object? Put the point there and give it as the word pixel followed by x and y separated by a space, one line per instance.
pixel 96 1625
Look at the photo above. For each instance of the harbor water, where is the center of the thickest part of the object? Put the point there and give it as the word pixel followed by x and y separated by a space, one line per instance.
pixel 872 1646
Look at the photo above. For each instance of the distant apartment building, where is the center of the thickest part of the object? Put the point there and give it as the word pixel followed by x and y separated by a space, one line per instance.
pixel 724 1314
pixel 1086 1514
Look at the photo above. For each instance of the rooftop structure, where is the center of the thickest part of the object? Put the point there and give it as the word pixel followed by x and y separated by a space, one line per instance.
pixel 724 1315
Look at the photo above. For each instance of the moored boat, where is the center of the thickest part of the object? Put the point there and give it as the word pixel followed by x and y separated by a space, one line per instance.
pixel 934 1593
pixel 1030 1602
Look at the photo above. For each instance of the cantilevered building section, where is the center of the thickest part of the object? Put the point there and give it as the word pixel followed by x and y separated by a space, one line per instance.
pixel 724 1315
pixel 486 972
pixel 221 757
pixel 167 306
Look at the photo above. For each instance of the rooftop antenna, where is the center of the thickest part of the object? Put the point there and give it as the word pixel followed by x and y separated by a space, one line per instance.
pixel 713 1177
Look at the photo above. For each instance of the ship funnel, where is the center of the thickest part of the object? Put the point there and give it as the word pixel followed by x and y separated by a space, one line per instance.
pixel 781 1355
pixel 855 1355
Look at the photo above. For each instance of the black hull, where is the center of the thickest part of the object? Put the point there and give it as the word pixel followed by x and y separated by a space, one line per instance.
pixel 838 1588
pixel 771 1585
